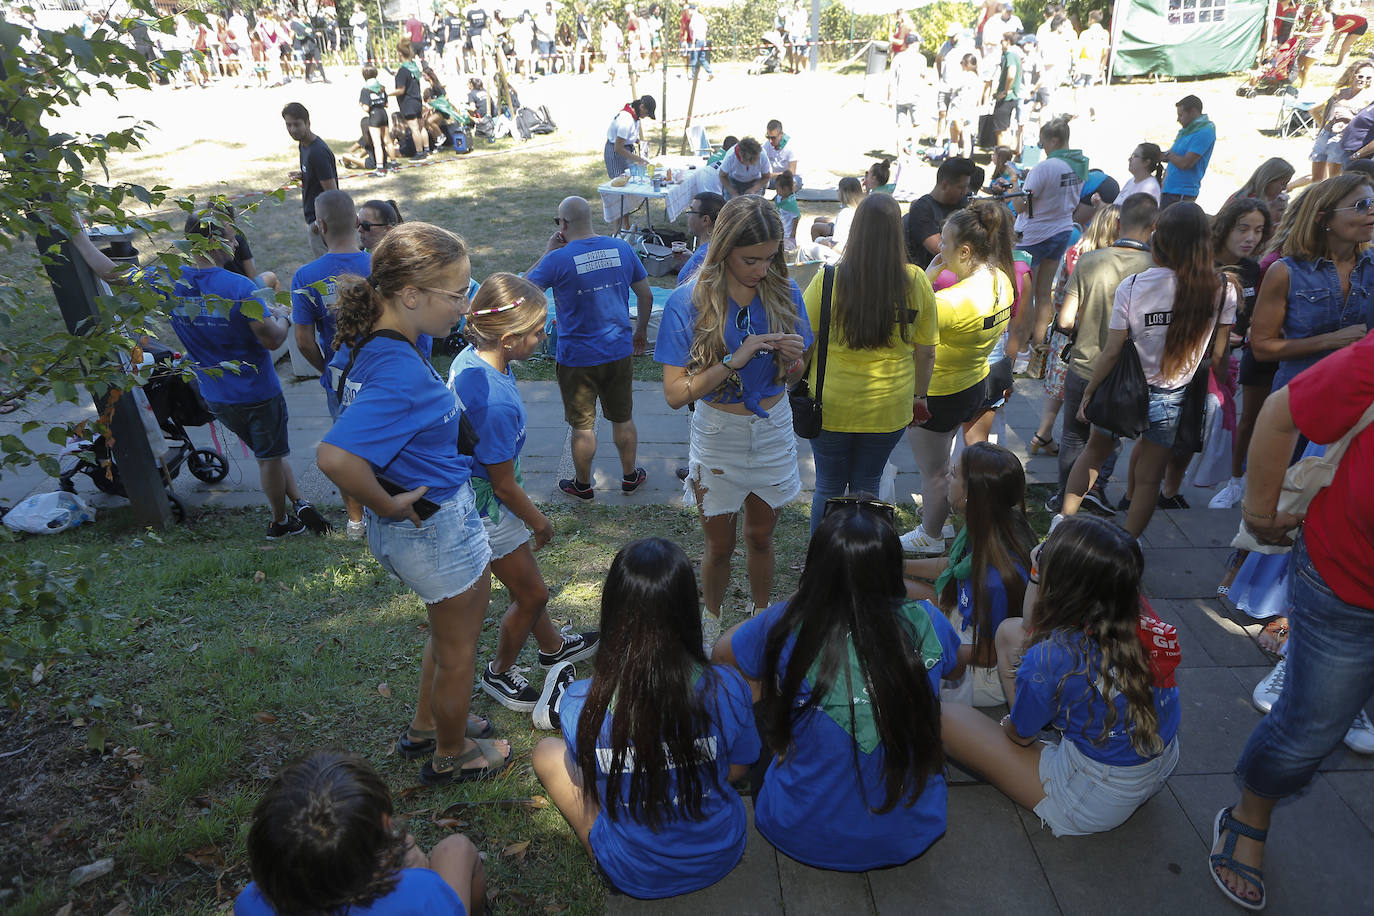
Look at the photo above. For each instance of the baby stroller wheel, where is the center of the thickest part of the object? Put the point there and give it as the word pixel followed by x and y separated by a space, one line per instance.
pixel 207 465
pixel 177 506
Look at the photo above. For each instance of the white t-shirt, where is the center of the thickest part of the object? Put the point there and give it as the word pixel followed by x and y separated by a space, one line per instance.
pixel 625 126
pixel 840 234
pixel 546 25
pixel 732 167
pixel 1147 185
pixel 780 160
pixel 996 27
pixel 1144 305
pixel 1054 188
pixel 909 76
pixel 696 26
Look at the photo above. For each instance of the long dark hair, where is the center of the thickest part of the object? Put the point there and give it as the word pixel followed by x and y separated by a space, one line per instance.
pixel 999 535
pixel 851 591
pixel 318 844
pixel 873 283
pixel 1090 585
pixel 1152 154
pixel 649 662
pixel 1227 217
pixel 1183 244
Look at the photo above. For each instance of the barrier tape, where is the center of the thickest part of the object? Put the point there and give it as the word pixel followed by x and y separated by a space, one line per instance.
pixel 698 115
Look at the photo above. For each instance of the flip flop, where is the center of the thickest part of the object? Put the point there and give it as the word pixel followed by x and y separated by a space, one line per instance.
pixel 1272 638
pixel 412 745
pixel 1226 859
pixel 453 765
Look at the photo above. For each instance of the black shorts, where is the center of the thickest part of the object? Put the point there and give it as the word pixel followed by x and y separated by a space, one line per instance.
pixel 948 411
pixel 376 117
pixel 410 110
pixel 1254 372
pixel 1002 112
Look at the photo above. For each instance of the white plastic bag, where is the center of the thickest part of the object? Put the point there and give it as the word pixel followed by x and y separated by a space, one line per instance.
pixel 1213 464
pixel 887 485
pixel 48 513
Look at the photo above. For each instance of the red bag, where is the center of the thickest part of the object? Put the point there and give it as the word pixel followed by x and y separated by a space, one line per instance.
pixel 1160 641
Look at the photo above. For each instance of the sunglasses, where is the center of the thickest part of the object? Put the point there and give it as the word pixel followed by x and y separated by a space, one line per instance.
pixel 368 227
pixel 886 511
pixel 558 220
pixel 499 308
pixel 1363 205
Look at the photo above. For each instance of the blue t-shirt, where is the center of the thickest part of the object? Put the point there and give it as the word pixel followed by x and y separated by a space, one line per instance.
pixel 685 855
pixel 996 595
pixel 811 806
pixel 1077 710
pixel 418 892
pixel 493 405
pixel 591 280
pixel 205 312
pixel 689 270
pixel 400 416
pixel 1186 182
pixel 310 306
pixel 760 377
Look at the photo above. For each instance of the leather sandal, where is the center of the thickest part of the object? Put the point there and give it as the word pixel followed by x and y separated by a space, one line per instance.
pixel 1048 446
pixel 414 744
pixel 441 771
pixel 1226 859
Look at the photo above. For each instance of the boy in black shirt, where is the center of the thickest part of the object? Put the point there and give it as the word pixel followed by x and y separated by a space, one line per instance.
pixel 318 171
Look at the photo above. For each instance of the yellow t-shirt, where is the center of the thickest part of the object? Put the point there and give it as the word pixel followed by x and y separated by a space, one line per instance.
pixel 870 391
pixel 973 313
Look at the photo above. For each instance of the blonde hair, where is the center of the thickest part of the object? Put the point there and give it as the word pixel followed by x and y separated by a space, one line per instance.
pixel 530 312
pixel 1306 240
pixel 743 221
pixel 1104 229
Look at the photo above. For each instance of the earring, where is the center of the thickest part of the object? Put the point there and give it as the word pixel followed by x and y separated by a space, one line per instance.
pixel 508 346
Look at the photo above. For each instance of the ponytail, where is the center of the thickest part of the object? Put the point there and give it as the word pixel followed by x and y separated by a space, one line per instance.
pixel 1151 152
pixel 355 312
pixel 985 226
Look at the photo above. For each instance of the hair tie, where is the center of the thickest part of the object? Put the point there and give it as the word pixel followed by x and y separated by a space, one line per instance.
pixel 372 282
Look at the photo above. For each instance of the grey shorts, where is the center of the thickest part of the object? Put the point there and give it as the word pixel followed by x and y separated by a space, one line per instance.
pixel 261 426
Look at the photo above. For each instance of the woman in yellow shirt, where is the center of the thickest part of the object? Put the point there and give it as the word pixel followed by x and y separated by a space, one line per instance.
pixel 879 357
pixel 972 315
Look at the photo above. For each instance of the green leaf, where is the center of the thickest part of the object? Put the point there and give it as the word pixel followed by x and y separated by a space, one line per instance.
pixel 96 736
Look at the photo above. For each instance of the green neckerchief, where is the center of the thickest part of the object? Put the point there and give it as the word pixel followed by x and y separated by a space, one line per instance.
pixel 851 709
pixel 374 86
pixel 1076 160
pixel 789 203
pixel 960 561
pixel 441 104
pixel 487 503
pixel 413 67
pixel 1193 127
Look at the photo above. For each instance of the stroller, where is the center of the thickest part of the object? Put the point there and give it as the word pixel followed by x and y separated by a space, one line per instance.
pixel 177 404
pixel 1276 73
pixel 771 51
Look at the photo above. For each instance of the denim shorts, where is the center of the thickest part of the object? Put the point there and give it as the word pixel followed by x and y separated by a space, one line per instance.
pixel 730 456
pixel 1085 796
pixel 1051 249
pixel 261 426
pixel 1328 148
pixel 1165 407
pixel 507 535
pixel 442 558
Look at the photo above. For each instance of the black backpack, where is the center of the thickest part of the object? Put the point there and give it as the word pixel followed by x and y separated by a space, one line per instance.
pixel 531 121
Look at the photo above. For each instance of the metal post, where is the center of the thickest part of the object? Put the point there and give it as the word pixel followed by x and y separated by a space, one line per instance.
pixel 815 55
pixel 663 105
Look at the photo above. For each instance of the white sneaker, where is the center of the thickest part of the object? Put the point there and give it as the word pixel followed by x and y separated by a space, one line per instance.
pixel 917 541
pixel 357 531
pixel 1021 363
pixel 1267 691
pixel 946 532
pixel 1054 522
pixel 1229 496
pixel 1360 738
pixel 558 680
pixel 710 631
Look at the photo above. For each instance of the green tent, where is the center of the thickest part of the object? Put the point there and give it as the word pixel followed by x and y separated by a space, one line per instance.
pixel 1185 37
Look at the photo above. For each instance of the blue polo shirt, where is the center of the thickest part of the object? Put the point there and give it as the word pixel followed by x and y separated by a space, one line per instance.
pixel 1187 182
pixel 418 892
pixel 591 280
pixel 206 311
pixel 310 305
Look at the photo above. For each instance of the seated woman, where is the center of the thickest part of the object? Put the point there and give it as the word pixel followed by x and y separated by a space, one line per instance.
pixel 322 841
pixel 983 580
pixel 1087 674
pixel 852 786
pixel 440 117
pixel 828 238
pixel 743 170
pixel 878 177
pixel 652 742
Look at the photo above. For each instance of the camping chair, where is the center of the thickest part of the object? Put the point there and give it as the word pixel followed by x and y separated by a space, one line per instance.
pixel 697 144
pixel 1295 117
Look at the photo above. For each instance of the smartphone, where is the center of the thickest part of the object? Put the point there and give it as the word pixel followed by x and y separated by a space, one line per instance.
pixel 423 507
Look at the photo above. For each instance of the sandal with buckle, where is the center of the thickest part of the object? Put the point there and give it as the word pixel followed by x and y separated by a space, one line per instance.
pixel 1048 446
pixel 414 743
pixel 450 766
pixel 1226 859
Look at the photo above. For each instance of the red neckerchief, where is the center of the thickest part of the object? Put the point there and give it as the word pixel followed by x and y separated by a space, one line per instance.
pixel 630 107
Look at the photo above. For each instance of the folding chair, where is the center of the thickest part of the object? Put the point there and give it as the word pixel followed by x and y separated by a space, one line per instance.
pixel 697 144
pixel 1295 117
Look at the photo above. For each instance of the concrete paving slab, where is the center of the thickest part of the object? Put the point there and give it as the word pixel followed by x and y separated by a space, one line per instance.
pixel 1195 654
pixel 1184 572
pixel 1316 859
pixel 1161 533
pixel 1357 791
pixel 1207 527
pixel 808 891
pixel 980 819
pixel 1225 641
pixel 1217 719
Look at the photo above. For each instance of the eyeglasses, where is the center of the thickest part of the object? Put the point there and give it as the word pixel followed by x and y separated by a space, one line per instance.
pixel 1363 205
pixel 458 298
pixel 558 220
pixel 499 308
pixel 368 227
pixel 886 511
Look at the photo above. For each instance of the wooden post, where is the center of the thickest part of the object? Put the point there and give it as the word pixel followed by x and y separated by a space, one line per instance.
pixel 691 104
pixel 505 83
pixel 663 108
pixel 630 69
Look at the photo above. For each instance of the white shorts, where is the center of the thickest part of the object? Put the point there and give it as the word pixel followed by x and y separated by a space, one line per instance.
pixel 507 535
pixel 730 456
pixel 1084 796
pixel 979 686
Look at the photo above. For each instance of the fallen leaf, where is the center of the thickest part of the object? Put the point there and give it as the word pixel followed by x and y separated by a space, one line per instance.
pixel 82 874
pixel 259 576
pixel 66 910
pixel 249 650
pixel 409 791
pixel 206 857
pixel 55 831
pixel 266 718
pixel 120 909
pixel 384 689
pixel 450 823
pixel 37 675
pixel 517 850
pixel 535 802
pixel 553 908
pixel 145 725
pixel 318 649
pixel 283 586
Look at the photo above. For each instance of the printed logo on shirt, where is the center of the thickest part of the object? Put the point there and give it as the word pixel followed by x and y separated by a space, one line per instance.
pixel 994 320
pixel 706 750
pixel 603 259
pixel 1158 319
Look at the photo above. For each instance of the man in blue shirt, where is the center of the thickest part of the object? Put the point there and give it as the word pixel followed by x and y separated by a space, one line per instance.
pixel 591 277
pixel 701 221
pixel 205 303
pixel 315 290
pixel 1190 154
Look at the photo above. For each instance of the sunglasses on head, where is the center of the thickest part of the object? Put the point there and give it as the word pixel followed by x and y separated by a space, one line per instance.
pixel 1363 205
pixel 887 511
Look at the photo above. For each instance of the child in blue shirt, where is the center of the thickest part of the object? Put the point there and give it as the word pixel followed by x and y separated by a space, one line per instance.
pixel 848 673
pixel 643 775
pixel 1087 672
pixel 788 210
pixel 322 842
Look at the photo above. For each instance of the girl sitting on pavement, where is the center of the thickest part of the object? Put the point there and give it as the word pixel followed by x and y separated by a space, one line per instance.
pixel 828 237
pixel 322 842
pixel 847 673
pixel 507 323
pixel 984 577
pixel 652 742
pixel 1087 674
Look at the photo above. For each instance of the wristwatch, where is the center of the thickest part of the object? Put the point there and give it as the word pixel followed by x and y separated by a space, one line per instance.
pixel 726 362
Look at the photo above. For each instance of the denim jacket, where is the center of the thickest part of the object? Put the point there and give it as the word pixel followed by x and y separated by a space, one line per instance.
pixel 1315 305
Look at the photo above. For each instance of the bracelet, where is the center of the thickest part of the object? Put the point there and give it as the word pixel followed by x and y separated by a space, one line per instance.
pixel 795 366
pixel 921 397
pixel 1246 511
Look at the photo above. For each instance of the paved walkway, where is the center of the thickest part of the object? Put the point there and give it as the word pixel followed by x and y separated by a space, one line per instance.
pixel 994 856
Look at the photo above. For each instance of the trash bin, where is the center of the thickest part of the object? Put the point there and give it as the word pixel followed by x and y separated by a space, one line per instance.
pixel 875 72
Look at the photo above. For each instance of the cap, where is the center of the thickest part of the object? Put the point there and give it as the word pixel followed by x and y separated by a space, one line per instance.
pixel 1101 184
pixel 647 106
pixel 1007 7
pixel 954 29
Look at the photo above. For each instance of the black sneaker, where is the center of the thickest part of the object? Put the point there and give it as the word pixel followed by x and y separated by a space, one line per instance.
pixel 558 680
pixel 510 688
pixel 278 530
pixel 576 646
pixel 1054 504
pixel 1124 505
pixel 312 518
pixel 583 492
pixel 1096 499
pixel 1173 502
pixel 633 481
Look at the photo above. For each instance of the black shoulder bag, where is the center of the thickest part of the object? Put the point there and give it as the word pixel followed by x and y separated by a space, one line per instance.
pixel 806 410
pixel 1192 415
pixel 1121 404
